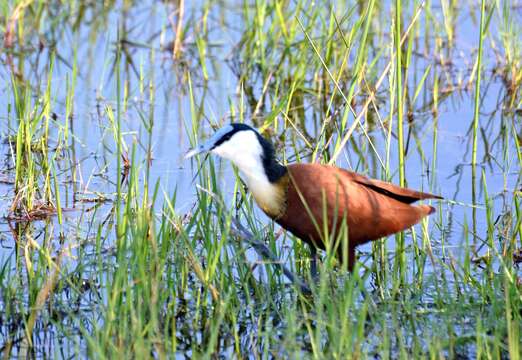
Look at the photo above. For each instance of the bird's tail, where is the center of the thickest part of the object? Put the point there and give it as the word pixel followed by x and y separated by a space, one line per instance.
pixel 427 209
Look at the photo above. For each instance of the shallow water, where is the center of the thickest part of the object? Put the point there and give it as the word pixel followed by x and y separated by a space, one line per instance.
pixel 148 30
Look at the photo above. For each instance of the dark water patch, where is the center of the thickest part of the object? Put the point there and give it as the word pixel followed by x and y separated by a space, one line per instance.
pixel 125 101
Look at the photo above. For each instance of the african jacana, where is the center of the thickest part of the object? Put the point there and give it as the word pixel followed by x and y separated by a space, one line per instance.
pixel 298 196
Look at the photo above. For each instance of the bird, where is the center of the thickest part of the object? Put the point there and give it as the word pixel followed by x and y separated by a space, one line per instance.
pixel 317 203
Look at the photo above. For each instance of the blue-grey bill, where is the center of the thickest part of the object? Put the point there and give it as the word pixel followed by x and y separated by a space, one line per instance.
pixel 191 153
pixel 196 151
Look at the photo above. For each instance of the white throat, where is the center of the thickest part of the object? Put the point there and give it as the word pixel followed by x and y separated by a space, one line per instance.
pixel 245 152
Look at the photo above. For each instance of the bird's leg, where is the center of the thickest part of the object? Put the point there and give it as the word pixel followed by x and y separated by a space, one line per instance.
pixel 351 258
pixel 313 262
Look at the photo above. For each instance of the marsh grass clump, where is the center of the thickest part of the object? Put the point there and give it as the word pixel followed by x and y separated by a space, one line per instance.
pixel 112 246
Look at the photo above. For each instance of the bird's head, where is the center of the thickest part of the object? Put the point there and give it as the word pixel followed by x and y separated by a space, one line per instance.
pixel 245 147
pixel 232 142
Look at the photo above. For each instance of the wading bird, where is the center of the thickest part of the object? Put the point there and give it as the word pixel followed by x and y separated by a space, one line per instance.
pixel 317 203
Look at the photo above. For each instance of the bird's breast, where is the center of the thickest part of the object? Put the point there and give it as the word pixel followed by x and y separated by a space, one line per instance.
pixel 270 197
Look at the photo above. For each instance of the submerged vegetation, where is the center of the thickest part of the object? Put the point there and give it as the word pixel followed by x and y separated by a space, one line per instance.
pixel 111 245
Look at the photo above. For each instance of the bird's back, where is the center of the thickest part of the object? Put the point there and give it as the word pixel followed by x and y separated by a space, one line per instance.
pixel 370 208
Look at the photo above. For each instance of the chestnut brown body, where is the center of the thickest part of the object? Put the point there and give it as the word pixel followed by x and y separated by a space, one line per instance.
pixel 370 208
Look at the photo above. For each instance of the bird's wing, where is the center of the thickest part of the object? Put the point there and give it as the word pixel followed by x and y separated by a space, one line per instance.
pixel 401 194
pixel 372 208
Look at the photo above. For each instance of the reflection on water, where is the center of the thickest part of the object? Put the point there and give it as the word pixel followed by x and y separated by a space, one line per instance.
pixel 218 66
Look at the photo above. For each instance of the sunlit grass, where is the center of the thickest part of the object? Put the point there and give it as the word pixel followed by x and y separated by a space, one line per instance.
pixel 137 267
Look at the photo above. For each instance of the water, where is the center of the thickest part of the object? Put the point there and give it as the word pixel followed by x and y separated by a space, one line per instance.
pixel 88 167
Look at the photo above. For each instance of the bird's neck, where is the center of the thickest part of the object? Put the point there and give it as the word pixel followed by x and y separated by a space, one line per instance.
pixel 267 180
